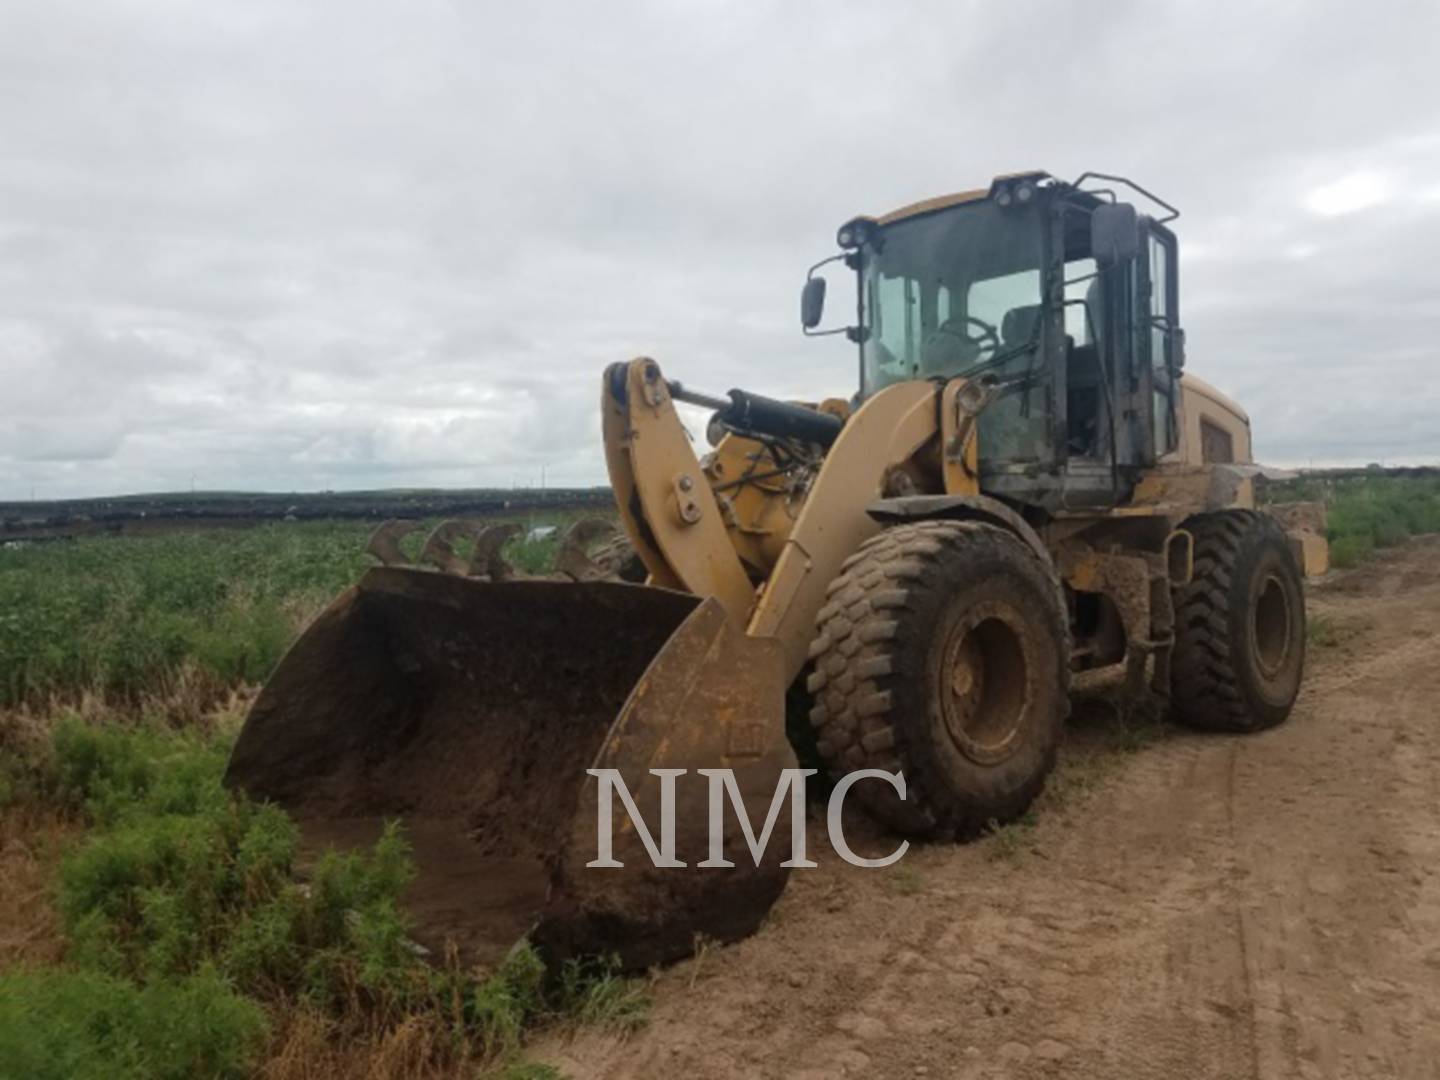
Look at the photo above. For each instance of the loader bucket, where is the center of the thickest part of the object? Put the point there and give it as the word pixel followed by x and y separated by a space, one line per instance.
pixel 471 711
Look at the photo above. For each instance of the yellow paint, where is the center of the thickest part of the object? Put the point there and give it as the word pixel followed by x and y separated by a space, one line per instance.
pixel 758 508
pixel 658 482
pixel 1312 553
pixel 887 430
pixel 959 442
pixel 942 202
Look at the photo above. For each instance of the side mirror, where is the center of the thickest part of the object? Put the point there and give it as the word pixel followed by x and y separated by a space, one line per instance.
pixel 812 303
pixel 1114 234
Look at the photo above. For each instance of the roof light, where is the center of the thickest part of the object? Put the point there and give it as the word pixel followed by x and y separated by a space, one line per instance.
pixel 856 233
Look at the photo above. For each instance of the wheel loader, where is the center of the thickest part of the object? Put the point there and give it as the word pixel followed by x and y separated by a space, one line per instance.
pixel 1021 485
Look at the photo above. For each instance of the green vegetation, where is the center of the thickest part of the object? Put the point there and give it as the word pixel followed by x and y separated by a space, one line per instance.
pixel 189 920
pixel 82 1025
pixel 1367 512
pixel 194 936
pixel 130 617
pixel 535 556
pixel 1321 631
pixel 1324 631
pixel 124 616
pixel 1007 842
pixel 196 942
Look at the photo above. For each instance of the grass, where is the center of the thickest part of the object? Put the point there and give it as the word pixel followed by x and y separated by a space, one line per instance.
pixel 704 945
pixel 32 840
pixel 1007 842
pixel 195 945
pixel 591 993
pixel 1367 513
pixel 1324 632
pixel 126 616
pixel 1103 731
pixel 132 617
pixel 155 925
pixel 84 1025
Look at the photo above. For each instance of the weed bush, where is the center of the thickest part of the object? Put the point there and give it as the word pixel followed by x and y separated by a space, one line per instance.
pixel 1366 513
pixel 111 771
pixel 185 899
pixel 84 1025
pixel 590 992
pixel 1350 550
pixel 179 874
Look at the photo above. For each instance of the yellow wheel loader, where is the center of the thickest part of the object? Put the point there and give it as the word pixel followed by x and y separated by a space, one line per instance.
pixel 1023 486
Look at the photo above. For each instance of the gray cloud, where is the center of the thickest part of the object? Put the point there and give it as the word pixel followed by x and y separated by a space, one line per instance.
pixel 338 244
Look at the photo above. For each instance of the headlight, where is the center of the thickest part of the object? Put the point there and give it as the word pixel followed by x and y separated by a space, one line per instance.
pixel 853 234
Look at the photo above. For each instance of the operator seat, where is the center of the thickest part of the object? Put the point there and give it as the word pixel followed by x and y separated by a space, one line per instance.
pixel 1018 326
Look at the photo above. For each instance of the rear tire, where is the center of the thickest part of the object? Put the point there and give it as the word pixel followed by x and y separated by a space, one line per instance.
pixel 943 654
pixel 1239 626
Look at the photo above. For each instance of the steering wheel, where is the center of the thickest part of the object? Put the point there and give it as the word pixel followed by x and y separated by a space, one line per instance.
pixel 970 345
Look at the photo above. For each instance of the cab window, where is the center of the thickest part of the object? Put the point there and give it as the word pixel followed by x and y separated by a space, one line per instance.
pixel 1162 323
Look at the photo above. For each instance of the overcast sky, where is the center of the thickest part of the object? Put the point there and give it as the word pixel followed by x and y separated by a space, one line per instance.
pixel 293 245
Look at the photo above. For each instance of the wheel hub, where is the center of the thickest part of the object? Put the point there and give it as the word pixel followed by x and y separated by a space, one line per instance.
pixel 1271 627
pixel 984 692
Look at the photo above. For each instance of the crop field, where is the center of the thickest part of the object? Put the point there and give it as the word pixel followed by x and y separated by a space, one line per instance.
pixel 1368 513
pixel 153 924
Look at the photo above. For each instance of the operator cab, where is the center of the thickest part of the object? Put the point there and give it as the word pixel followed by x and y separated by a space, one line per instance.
pixel 1059 292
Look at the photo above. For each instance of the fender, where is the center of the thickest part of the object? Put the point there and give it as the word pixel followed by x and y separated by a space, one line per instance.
pixel 959 508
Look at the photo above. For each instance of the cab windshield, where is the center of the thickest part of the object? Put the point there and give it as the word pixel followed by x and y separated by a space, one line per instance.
pixel 957 292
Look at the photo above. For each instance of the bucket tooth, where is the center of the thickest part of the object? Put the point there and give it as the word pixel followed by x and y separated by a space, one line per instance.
pixel 384 542
pixel 439 550
pixel 573 559
pixel 486 560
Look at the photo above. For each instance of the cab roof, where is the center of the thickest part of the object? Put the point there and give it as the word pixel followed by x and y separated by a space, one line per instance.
pixel 942 202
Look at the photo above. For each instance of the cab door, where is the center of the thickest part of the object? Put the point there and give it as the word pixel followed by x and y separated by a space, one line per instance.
pixel 1158 338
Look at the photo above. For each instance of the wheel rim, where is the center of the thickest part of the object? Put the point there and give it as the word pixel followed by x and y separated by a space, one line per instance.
pixel 1271 626
pixel 984 684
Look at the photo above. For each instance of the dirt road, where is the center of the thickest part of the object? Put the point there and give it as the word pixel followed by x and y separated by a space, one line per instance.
pixel 1264 906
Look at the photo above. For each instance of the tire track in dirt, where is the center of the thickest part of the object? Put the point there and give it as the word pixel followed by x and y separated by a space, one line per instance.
pixel 1329 825
pixel 1224 906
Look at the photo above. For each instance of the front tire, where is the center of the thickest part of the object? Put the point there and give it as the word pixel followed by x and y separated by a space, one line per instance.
pixel 1240 626
pixel 942 653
